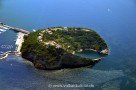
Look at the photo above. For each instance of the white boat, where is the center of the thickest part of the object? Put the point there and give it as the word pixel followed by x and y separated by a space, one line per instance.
pixel 5 28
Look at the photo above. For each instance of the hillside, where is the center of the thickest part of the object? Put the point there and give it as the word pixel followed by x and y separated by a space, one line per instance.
pixel 55 47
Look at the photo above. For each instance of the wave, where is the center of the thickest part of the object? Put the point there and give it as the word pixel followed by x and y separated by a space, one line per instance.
pixel 2 30
pixel 5 54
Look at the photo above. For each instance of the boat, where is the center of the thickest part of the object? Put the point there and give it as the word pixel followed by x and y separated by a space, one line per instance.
pixel 4 27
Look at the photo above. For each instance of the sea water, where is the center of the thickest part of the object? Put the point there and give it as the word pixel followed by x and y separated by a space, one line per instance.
pixel 114 20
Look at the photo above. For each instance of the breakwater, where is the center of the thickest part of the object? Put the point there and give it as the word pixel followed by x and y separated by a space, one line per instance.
pixel 5 55
pixel 4 26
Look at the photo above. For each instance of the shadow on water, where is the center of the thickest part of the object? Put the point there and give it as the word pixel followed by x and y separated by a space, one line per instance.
pixel 23 75
pixel 90 54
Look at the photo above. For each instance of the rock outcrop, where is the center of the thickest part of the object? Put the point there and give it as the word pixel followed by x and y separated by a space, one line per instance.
pixel 55 48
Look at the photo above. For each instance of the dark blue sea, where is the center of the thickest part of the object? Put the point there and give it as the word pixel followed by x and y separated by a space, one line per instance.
pixel 114 20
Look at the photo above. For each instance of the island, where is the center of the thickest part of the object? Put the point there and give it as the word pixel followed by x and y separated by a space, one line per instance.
pixel 56 47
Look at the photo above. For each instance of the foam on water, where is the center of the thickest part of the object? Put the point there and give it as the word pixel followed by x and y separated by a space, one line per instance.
pixel 2 31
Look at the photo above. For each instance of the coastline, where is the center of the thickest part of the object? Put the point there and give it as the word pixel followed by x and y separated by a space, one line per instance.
pixel 19 41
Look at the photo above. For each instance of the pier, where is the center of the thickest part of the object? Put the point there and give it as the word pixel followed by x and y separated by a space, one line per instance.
pixel 7 27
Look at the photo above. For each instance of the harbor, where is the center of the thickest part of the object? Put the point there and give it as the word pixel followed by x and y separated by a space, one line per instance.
pixel 7 27
pixel 18 41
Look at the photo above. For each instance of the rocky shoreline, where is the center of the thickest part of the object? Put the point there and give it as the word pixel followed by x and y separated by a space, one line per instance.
pixel 55 48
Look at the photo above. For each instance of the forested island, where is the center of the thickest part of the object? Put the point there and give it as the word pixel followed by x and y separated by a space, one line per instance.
pixel 56 47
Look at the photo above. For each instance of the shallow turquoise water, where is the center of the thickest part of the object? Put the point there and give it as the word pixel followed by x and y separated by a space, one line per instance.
pixel 114 20
pixel 90 54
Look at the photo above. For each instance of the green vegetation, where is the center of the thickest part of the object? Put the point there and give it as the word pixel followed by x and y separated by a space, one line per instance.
pixel 74 39
pixel 47 48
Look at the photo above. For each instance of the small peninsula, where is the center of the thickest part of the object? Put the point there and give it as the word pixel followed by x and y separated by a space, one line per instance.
pixel 56 47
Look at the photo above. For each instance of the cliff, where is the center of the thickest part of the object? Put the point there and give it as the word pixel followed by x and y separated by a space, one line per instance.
pixel 55 48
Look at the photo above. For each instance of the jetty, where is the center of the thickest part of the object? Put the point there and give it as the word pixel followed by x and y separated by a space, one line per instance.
pixel 7 27
pixel 20 38
pixel 5 55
